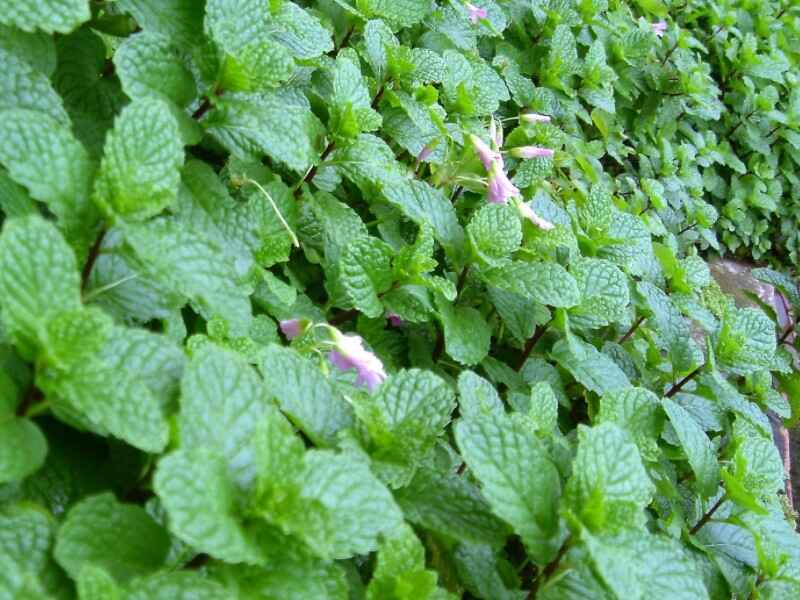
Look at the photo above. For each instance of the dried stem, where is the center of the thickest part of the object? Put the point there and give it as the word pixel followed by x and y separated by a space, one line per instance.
pixel 94 251
pixel 677 387
pixel 709 513
pixel 631 331
pixel 526 352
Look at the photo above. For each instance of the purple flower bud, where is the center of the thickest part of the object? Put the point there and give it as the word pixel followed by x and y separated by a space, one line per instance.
pixel 424 153
pixel 500 188
pixel 659 28
pixel 291 328
pixel 350 354
pixel 486 154
pixel 531 152
pixel 534 118
pixel 527 212
pixel 475 13
pixel 394 320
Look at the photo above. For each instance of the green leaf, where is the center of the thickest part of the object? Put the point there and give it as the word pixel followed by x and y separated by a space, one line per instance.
pixel 495 232
pixel 545 282
pixel 698 448
pixel 400 572
pixel 593 369
pixel 477 396
pixel 193 267
pixel 38 278
pixel 636 410
pixel 517 477
pixel 177 20
pixel 222 400
pixel 181 585
pixel 41 154
pixel 451 506
pixel 609 486
pixel 746 342
pixel 140 172
pixel 467 336
pixel 22 86
pixel 604 293
pixel 99 523
pixel 673 329
pixel 403 13
pixel 543 410
pixel 636 564
pixel 305 395
pixel 277 124
pixel 408 414
pixel 785 284
pixel 48 15
pixel 364 270
pixel 148 66
pixel 200 499
pixel 23 448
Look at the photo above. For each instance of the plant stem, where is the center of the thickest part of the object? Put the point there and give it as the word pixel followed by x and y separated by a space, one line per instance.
pixel 462 279
pixel 277 211
pixel 671 50
pixel 202 109
pixel 32 396
pixel 742 120
pixel 313 169
pixel 526 352
pixel 94 251
pixel 630 331
pixel 709 513
pixel 549 569
pixel 343 316
pixel 786 334
pixel 677 387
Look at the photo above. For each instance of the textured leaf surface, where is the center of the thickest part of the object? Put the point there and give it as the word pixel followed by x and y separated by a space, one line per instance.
pixel 143 155
pixel 698 448
pixel 517 477
pixel 48 15
pixel 545 282
pixel 100 523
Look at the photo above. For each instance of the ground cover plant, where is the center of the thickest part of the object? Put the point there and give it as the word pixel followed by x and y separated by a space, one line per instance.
pixel 394 299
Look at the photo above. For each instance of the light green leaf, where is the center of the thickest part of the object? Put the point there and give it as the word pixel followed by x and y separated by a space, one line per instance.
pixel 477 396
pixel 495 232
pixel 305 395
pixel 467 336
pixel 148 66
pixel 200 500
pixel 181 585
pixel 400 572
pixel 452 506
pixel 48 15
pixel 746 342
pixel 178 20
pixel 545 282
pixel 41 154
pixel 517 477
pixel 99 524
pixel 609 486
pixel 140 172
pixel 604 293
pixel 222 401
pixel 593 369
pixel 191 266
pixel 364 272
pixel 279 124
pixel 23 448
pixel 636 410
pixel 543 410
pixel 408 414
pixel 479 568
pixel 38 277
pixel 402 13
pixel 22 86
pixel 698 448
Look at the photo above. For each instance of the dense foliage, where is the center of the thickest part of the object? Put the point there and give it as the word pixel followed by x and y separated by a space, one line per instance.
pixel 394 299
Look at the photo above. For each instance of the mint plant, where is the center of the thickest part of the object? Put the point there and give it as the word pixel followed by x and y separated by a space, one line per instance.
pixel 395 300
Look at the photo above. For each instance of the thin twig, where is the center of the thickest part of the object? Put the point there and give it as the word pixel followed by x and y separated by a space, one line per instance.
pixel 109 286
pixel 677 387
pixel 526 352
pixel 549 569
pixel 706 517
pixel 94 251
pixel 312 171
pixel 630 331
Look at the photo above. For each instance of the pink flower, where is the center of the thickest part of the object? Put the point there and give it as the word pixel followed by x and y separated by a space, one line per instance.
pixel 500 188
pixel 486 154
pixel 349 353
pixel 659 28
pixel 394 320
pixel 475 13
pixel 291 328
pixel 531 152
pixel 527 212
pixel 534 118
pixel 424 153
